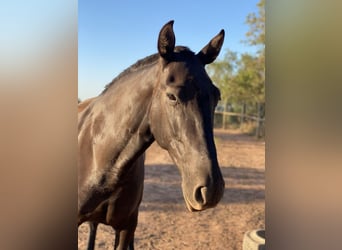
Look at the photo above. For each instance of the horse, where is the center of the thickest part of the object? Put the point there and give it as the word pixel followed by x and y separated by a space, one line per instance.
pixel 167 97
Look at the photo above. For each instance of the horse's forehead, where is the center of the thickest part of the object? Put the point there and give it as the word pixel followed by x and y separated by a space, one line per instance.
pixel 186 69
pixel 179 69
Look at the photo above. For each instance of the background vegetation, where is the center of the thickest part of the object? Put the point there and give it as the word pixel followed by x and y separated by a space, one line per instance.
pixel 241 77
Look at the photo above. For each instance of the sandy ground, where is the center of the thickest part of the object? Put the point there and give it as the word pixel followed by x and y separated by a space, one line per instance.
pixel 164 222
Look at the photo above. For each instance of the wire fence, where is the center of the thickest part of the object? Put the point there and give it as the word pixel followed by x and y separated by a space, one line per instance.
pixel 251 124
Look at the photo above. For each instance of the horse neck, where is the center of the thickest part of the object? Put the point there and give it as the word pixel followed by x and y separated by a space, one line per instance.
pixel 126 107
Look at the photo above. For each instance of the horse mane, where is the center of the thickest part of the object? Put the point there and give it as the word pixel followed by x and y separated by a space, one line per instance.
pixel 145 62
pixel 136 66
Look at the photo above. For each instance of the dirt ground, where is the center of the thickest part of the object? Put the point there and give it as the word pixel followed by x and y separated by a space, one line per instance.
pixel 165 223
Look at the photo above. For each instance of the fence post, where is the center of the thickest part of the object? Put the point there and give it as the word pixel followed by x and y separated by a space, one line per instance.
pixel 224 116
pixel 242 117
pixel 257 132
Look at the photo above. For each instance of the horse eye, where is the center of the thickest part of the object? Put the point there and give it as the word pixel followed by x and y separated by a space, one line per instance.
pixel 171 97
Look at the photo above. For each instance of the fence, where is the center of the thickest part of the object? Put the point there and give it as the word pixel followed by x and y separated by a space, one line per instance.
pixel 247 123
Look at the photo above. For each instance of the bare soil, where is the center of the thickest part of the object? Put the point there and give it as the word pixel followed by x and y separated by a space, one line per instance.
pixel 165 223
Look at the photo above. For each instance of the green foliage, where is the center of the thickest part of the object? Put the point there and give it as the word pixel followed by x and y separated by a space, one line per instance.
pixel 250 79
pixel 256 22
pixel 240 79
pixel 222 73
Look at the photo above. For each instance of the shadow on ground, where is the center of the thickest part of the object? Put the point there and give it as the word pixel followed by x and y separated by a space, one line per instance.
pixel 162 188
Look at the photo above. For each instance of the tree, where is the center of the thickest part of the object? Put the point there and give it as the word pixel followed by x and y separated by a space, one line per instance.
pixel 241 77
pixel 256 36
pixel 250 79
pixel 256 22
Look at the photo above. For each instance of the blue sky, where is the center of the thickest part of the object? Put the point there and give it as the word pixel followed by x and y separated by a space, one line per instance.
pixel 115 34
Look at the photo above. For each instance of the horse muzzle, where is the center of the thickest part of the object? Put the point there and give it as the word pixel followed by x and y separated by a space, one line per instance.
pixel 203 196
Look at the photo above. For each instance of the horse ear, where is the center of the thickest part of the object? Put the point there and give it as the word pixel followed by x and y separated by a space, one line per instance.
pixel 166 41
pixel 209 53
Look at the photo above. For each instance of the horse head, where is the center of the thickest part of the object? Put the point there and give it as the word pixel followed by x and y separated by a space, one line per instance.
pixel 181 117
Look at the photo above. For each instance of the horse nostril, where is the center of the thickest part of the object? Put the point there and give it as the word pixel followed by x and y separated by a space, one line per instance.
pixel 201 195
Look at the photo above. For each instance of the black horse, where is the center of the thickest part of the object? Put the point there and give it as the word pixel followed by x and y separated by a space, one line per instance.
pixel 167 97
